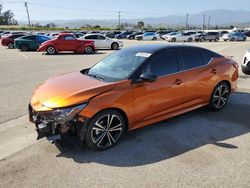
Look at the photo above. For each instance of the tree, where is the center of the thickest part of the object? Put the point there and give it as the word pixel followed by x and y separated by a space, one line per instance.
pixel 140 24
pixel 7 17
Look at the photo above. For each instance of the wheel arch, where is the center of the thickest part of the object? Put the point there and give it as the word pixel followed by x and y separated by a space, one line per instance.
pixel 122 112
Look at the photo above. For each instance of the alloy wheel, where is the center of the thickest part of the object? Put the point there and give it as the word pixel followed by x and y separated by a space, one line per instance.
pixel 88 50
pixel 11 45
pixel 51 50
pixel 220 96
pixel 106 131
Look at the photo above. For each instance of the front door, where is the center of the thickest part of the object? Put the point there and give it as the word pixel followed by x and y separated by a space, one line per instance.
pixel 165 95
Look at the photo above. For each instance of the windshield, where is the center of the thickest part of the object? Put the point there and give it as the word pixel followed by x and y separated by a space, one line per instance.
pixel 118 66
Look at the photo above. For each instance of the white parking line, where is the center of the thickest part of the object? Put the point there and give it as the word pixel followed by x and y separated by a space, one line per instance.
pixel 24 55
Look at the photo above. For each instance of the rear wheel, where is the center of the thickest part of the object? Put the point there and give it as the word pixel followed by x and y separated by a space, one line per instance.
pixel 190 40
pixel 24 47
pixel 154 38
pixel 232 39
pixel 104 130
pixel 89 50
pixel 11 45
pixel 173 40
pixel 51 50
pixel 219 96
pixel 115 46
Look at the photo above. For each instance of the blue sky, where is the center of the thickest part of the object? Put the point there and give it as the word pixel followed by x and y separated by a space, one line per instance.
pixel 107 9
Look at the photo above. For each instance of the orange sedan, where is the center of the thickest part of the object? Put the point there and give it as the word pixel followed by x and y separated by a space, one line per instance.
pixel 130 89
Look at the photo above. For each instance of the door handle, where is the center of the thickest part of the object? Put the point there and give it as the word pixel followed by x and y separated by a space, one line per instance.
pixel 214 71
pixel 178 82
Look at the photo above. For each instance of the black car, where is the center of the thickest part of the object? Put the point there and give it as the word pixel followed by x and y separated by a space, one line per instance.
pixel 209 36
pixel 112 34
pixel 132 36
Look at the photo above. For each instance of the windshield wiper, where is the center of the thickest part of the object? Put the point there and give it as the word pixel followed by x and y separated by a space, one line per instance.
pixel 96 77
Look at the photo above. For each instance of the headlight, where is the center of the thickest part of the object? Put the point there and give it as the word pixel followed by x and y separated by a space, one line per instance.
pixel 62 116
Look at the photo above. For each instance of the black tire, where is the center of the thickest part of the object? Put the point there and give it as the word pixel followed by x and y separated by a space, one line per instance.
pixel 99 135
pixel 24 48
pixel 219 96
pixel 51 50
pixel 190 40
pixel 173 40
pixel 115 46
pixel 89 50
pixel 232 39
pixel 11 45
pixel 154 38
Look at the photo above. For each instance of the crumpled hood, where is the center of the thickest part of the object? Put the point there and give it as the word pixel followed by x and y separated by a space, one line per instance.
pixel 66 90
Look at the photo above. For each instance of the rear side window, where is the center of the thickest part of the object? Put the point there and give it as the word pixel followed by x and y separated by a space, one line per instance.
pixel 93 37
pixel 163 63
pixel 30 37
pixel 192 59
pixel 69 37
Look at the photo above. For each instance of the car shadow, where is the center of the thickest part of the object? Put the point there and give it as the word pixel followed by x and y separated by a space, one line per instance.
pixel 172 137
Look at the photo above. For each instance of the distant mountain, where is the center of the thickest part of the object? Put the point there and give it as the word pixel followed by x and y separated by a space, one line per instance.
pixel 217 17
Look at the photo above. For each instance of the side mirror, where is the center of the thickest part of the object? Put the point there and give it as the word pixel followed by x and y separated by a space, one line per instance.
pixel 147 77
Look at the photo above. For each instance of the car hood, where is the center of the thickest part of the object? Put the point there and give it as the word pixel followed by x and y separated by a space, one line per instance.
pixel 67 90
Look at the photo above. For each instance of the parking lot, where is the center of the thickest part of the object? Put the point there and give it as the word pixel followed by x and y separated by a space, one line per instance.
pixel 197 149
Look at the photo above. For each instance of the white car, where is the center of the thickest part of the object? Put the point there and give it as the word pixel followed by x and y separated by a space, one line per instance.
pixel 245 66
pixel 148 36
pixel 103 42
pixel 165 37
pixel 180 37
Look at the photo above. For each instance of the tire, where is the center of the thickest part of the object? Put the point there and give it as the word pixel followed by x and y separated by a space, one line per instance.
pixel 190 40
pixel 51 50
pixel 89 50
pixel 115 46
pixel 101 135
pixel 232 39
pixel 202 39
pixel 225 40
pixel 11 45
pixel 173 40
pixel 154 38
pixel 216 40
pixel 24 48
pixel 219 97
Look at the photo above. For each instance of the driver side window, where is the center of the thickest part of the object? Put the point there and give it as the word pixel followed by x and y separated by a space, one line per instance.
pixel 163 64
pixel 69 38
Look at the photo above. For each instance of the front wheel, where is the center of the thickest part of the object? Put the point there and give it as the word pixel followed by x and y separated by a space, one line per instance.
pixel 190 40
pixel 104 130
pixel 115 46
pixel 51 50
pixel 219 96
pixel 154 38
pixel 173 40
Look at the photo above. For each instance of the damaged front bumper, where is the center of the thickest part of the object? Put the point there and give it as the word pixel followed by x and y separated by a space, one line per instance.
pixel 55 127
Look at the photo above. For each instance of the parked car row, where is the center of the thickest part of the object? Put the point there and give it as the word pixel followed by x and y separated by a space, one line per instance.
pixel 64 41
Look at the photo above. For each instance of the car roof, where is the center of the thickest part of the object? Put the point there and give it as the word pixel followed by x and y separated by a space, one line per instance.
pixel 152 48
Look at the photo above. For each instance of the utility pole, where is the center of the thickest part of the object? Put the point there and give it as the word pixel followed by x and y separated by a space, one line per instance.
pixel 208 23
pixel 119 20
pixel 187 16
pixel 204 20
pixel 26 5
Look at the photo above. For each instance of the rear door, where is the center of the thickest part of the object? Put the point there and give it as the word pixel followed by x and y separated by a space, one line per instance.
pixel 198 75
